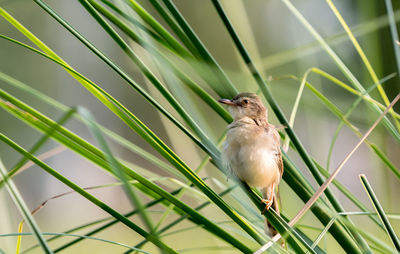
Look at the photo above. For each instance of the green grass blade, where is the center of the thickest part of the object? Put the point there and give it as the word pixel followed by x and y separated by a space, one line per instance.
pixel 146 17
pixel 348 194
pixel 174 26
pixel 211 149
pixel 116 167
pixel 200 67
pixel 361 53
pixel 88 196
pixel 20 203
pixel 158 55
pixel 343 117
pixel 153 140
pixel 120 72
pixel 93 154
pixel 345 70
pixel 185 216
pixel 382 215
pixel 334 109
pixel 117 138
pixel 293 177
pixel 346 115
pixel 393 31
pixel 139 25
pixel 105 226
pixel 79 237
pixel 227 89
pixel 290 55
pixel 37 145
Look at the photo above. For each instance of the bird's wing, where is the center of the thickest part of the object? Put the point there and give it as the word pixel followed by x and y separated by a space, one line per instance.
pixel 277 148
pixel 279 161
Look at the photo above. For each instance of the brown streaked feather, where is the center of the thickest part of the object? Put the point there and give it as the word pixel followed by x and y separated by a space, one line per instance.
pixel 280 163
pixel 277 139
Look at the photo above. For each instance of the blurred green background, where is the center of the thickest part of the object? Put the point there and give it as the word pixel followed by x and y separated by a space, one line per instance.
pixel 280 46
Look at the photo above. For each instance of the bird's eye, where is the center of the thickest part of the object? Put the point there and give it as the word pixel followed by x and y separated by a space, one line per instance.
pixel 245 101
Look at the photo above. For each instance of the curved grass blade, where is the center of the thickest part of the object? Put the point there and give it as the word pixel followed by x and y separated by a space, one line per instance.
pixel 117 138
pixel 293 177
pixel 343 117
pixel 377 205
pixel 197 66
pixel 344 69
pixel 92 223
pixel 174 27
pixel 347 114
pixel 85 149
pixel 116 167
pixel 146 17
pixel 79 237
pixel 227 88
pixel 334 174
pixel 23 208
pixel 291 55
pixel 111 64
pixel 150 137
pixel 139 25
pixel 288 230
pixel 88 196
pixel 349 195
pixel 180 194
pixel 37 145
pixel 362 55
pixel 211 149
pixel 164 60
pixel 185 216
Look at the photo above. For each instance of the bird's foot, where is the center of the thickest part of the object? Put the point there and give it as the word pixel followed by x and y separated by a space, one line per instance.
pixel 268 204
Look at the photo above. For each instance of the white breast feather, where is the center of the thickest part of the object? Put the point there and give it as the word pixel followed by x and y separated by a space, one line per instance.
pixel 252 161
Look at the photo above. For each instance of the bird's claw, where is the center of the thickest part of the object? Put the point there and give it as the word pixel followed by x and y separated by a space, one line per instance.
pixel 268 204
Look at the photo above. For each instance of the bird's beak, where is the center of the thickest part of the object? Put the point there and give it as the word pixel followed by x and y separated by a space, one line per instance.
pixel 227 102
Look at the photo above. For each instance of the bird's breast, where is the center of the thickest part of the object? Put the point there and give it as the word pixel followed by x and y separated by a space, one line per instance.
pixel 251 155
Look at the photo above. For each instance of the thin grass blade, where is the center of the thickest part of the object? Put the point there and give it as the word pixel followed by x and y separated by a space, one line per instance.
pixel 23 208
pixel 382 215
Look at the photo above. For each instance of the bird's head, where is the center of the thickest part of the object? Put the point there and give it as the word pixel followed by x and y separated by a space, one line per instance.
pixel 246 105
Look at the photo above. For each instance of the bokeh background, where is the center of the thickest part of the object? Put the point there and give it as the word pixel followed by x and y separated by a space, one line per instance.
pixel 280 46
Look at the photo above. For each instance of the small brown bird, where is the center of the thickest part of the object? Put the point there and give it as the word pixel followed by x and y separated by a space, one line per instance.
pixel 252 148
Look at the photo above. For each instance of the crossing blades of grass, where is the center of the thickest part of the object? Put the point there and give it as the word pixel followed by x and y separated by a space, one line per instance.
pixel 37 146
pixel 345 70
pixel 93 154
pixel 225 87
pixel 382 215
pixel 334 174
pixel 80 237
pixel 116 167
pixel 23 208
pixel 364 59
pixel 88 196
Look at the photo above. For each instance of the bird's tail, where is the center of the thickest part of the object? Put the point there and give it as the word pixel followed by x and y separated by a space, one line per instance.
pixel 269 229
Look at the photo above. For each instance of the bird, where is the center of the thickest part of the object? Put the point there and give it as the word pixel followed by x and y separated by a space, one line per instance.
pixel 252 148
